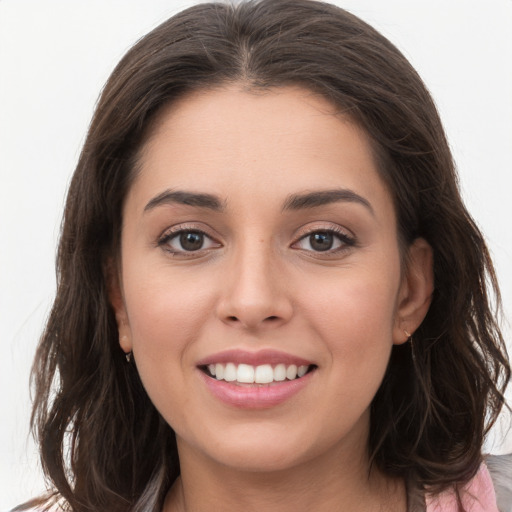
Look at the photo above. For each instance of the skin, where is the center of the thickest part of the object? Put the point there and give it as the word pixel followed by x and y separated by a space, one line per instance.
pixel 258 283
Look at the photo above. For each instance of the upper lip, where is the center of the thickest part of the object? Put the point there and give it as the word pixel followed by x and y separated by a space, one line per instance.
pixel 261 357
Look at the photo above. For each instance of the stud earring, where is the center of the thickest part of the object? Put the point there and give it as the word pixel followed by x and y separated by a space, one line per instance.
pixel 128 356
pixel 408 334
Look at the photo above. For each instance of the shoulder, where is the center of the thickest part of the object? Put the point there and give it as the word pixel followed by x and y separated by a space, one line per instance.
pixel 477 496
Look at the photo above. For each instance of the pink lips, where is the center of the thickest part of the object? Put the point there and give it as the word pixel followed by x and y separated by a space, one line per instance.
pixel 272 357
pixel 254 396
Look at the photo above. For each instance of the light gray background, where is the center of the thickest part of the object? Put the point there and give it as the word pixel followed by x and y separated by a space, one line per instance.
pixel 56 55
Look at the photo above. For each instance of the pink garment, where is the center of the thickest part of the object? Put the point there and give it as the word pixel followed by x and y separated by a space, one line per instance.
pixel 478 496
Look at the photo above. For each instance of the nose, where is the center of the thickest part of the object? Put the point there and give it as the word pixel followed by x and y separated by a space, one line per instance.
pixel 255 294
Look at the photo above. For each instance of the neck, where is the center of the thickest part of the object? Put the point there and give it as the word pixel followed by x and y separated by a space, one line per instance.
pixel 331 482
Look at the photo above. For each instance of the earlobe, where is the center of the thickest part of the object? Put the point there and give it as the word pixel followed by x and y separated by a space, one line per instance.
pixel 416 290
pixel 116 300
pixel 125 343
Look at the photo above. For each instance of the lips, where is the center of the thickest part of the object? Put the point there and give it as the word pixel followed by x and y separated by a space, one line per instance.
pixel 272 357
pixel 255 379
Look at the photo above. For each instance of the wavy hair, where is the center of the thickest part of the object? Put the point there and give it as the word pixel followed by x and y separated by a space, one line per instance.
pixel 103 444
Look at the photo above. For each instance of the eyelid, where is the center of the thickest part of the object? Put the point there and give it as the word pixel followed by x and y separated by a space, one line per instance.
pixel 346 237
pixel 174 231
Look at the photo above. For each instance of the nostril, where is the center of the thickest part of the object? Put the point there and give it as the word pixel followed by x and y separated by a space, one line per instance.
pixel 232 318
pixel 273 317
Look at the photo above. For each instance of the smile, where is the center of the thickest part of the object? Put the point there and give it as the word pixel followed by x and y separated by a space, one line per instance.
pixel 261 374
pixel 255 380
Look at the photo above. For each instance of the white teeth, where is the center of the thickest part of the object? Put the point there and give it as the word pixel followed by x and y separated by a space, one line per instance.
pixel 262 374
pixel 230 372
pixel 280 372
pixel 291 372
pixel 245 373
pixel 219 371
pixel 302 370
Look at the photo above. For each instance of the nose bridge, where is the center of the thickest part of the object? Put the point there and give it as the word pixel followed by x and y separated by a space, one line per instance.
pixel 255 293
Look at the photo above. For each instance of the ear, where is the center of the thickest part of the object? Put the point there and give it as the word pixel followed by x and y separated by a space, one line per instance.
pixel 415 294
pixel 115 295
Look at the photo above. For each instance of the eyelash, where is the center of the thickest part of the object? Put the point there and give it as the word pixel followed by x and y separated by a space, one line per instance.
pixel 346 241
pixel 176 232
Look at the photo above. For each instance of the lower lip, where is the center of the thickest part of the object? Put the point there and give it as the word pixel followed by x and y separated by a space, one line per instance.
pixel 256 396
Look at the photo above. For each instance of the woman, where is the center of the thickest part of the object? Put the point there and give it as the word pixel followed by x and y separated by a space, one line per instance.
pixel 270 293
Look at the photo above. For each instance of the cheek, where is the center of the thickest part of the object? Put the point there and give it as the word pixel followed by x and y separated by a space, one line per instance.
pixel 165 314
pixel 167 318
pixel 354 315
pixel 356 319
pixel 359 302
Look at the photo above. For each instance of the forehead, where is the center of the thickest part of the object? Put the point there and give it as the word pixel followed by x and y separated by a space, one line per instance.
pixel 229 141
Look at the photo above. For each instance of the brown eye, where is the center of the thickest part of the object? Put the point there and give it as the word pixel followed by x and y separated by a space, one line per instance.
pixel 321 241
pixel 325 240
pixel 187 241
pixel 191 240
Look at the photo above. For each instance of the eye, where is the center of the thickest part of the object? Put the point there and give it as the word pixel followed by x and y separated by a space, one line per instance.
pixel 324 240
pixel 187 241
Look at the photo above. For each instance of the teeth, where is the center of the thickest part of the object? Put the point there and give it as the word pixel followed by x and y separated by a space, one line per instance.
pixel 280 372
pixel 219 371
pixel 245 373
pixel 263 374
pixel 302 370
pixel 291 372
pixel 230 372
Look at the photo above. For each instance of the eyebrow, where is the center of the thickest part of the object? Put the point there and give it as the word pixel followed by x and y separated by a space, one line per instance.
pixel 325 197
pixel 293 202
pixel 207 201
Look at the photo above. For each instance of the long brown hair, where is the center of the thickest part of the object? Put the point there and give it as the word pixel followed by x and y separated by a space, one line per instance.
pixel 103 444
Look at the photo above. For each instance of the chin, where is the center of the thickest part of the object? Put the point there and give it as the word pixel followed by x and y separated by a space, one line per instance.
pixel 258 459
pixel 261 447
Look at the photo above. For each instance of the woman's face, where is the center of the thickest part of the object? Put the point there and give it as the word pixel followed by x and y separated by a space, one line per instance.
pixel 259 243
